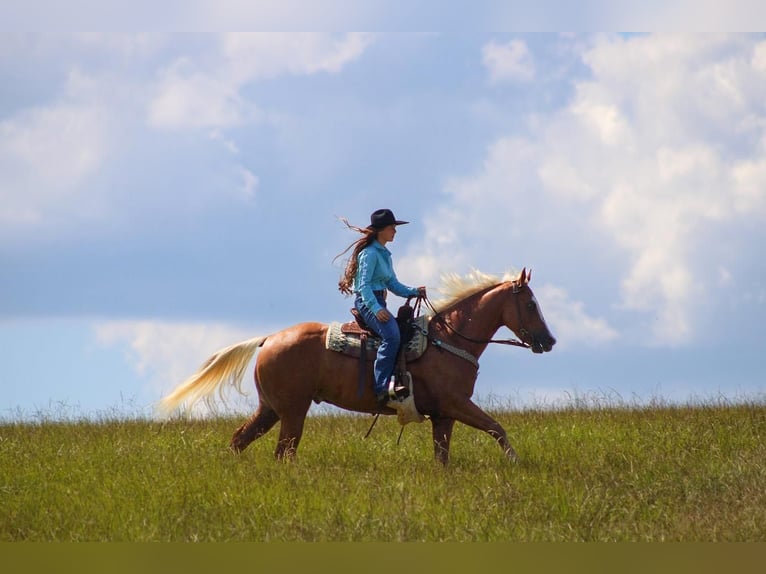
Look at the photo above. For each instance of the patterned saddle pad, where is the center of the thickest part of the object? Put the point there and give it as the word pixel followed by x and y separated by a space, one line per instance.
pixel 349 343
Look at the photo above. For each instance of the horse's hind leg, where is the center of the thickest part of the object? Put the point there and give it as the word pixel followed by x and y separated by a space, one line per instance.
pixel 290 432
pixel 258 425
pixel 291 428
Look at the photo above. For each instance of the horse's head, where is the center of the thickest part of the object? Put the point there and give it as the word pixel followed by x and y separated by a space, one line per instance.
pixel 523 316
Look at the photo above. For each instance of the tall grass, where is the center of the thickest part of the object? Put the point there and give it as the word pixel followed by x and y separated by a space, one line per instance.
pixel 652 473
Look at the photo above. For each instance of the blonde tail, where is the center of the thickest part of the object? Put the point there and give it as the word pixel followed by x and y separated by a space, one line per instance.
pixel 226 366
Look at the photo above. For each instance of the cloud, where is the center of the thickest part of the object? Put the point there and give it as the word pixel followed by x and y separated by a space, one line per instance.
pixel 749 183
pixel 113 97
pixel 207 94
pixel 569 322
pixel 250 183
pixel 508 62
pixel 256 56
pixel 665 162
pixel 662 146
pixel 46 155
pixel 187 98
pixel 53 153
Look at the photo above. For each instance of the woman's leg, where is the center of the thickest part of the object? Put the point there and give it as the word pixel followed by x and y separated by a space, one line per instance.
pixel 386 359
pixel 388 349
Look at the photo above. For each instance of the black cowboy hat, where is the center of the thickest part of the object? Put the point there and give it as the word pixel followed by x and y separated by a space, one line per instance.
pixel 383 218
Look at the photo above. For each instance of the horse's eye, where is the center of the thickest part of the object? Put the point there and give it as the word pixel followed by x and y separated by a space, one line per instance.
pixel 531 306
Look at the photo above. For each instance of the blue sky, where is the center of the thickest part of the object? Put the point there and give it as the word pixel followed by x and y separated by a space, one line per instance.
pixel 164 195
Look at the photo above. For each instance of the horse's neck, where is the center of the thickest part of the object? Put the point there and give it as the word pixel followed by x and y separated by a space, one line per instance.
pixel 478 317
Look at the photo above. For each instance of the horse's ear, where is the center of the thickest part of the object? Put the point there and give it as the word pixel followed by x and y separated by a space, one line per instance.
pixel 529 276
pixel 523 279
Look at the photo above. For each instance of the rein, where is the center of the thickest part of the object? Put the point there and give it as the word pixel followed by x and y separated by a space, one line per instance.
pixel 437 316
pixel 509 341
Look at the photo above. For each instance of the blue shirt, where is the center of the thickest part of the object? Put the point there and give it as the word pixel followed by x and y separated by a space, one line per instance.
pixel 375 272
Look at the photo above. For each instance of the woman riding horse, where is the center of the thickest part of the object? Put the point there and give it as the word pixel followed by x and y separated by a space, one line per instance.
pixel 369 274
pixel 295 368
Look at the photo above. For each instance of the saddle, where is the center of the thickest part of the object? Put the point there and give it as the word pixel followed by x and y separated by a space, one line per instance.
pixel 358 326
pixel 356 339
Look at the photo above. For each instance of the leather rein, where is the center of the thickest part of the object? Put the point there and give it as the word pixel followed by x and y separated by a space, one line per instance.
pixel 440 318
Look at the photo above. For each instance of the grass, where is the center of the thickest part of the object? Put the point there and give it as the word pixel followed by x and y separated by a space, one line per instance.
pixel 659 473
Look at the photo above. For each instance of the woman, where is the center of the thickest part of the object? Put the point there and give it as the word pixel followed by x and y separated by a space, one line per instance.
pixel 369 274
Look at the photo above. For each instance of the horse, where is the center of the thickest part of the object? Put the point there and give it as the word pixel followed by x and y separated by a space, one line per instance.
pixel 294 367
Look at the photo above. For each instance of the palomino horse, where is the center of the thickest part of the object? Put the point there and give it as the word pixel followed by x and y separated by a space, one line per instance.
pixel 294 367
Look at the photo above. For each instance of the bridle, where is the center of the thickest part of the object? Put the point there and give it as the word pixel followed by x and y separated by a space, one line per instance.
pixel 510 341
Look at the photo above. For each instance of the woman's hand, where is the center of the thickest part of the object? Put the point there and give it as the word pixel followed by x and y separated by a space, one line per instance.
pixel 383 315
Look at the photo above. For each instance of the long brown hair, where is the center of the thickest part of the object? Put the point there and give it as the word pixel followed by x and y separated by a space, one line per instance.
pixel 346 283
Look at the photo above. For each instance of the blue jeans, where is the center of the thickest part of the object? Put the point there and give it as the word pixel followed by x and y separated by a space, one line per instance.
pixel 389 332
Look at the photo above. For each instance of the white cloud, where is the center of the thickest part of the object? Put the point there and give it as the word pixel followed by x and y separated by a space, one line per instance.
pixel 58 158
pixel 46 154
pixel 229 144
pixel 481 213
pixel 759 57
pixel 671 175
pixel 749 185
pixel 52 153
pixel 250 183
pixel 254 56
pixel 605 121
pixel 509 61
pixel 190 99
pixel 207 94
pixel 569 321
pixel 644 155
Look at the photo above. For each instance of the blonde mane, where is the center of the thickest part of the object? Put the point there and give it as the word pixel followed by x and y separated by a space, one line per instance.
pixel 456 287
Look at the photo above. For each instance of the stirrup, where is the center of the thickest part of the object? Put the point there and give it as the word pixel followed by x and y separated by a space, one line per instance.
pixel 396 390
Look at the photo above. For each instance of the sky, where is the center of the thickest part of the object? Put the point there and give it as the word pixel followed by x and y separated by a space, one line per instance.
pixel 166 195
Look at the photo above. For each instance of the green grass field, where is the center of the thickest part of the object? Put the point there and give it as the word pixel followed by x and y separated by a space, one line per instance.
pixel 660 473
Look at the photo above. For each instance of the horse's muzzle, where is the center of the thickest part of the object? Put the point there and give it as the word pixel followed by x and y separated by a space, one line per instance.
pixel 542 343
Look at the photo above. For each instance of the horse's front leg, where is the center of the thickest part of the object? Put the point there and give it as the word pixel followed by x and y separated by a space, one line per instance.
pixel 442 433
pixel 469 413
